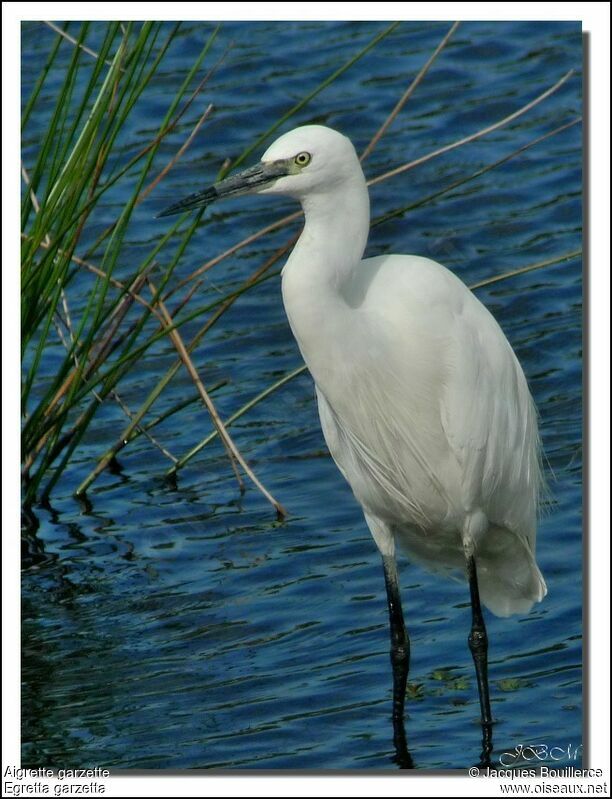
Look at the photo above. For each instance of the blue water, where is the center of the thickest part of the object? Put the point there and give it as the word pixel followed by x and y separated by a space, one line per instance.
pixel 187 628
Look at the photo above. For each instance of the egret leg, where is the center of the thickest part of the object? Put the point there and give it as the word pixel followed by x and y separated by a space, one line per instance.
pixel 479 644
pixel 400 659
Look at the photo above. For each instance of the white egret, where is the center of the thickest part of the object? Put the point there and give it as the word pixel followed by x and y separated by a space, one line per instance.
pixel 423 404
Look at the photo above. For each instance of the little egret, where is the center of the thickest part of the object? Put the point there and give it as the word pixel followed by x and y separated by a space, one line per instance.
pixel 423 404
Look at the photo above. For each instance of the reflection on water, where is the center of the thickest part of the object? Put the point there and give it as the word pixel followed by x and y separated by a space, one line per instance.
pixel 186 628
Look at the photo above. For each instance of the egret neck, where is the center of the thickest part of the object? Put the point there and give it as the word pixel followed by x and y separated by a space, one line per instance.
pixel 323 264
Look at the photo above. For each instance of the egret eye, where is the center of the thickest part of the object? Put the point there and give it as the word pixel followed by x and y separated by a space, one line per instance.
pixel 301 159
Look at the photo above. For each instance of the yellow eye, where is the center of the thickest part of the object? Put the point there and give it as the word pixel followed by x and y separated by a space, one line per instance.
pixel 301 159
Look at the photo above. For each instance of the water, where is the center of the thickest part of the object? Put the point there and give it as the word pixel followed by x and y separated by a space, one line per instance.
pixel 187 628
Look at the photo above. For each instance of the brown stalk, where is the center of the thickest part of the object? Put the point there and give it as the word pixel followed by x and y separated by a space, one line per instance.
pixel 73 41
pixel 524 269
pixel 253 278
pixel 408 93
pixel 473 136
pixel 176 338
pixel 96 271
pixel 249 240
pixel 124 407
pixel 145 192
pixel 230 446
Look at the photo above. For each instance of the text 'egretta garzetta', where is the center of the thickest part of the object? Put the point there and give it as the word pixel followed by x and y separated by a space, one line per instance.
pixel 423 404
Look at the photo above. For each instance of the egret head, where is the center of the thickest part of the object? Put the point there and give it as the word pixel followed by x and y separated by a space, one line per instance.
pixel 307 160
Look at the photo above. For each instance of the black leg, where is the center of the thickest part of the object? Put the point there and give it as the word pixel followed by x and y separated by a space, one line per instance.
pixel 479 644
pixel 400 660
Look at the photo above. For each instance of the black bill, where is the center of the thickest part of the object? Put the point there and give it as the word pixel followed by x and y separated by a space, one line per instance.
pixel 255 177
